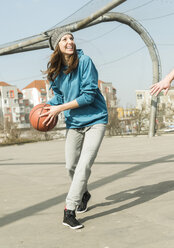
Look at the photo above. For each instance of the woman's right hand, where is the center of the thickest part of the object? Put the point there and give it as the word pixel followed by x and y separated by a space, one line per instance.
pixel 52 113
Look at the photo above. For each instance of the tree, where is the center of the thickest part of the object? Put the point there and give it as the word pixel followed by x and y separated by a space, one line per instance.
pixel 142 119
pixel 113 125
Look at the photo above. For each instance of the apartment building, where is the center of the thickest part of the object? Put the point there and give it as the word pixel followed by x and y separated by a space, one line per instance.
pixel 12 109
pixel 109 93
pixel 165 111
pixel 37 92
pixel 15 105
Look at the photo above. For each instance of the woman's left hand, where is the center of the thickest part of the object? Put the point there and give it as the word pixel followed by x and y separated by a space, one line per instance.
pixel 158 87
pixel 52 113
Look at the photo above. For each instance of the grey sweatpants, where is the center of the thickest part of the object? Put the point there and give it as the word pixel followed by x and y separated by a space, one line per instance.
pixel 82 145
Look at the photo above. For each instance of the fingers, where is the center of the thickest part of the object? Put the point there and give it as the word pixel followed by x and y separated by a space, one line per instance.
pixel 153 85
pixel 166 91
pixel 51 116
pixel 46 120
pixel 154 90
pixel 44 114
pixel 49 120
pixel 158 91
pixel 47 108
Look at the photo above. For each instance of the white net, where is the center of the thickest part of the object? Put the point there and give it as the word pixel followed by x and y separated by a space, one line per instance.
pixel 89 8
pixel 40 41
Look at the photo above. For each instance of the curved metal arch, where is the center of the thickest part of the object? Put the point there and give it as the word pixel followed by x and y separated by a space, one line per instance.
pixel 156 63
pixel 43 41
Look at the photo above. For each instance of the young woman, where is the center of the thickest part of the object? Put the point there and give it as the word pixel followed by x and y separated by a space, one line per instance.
pixel 74 80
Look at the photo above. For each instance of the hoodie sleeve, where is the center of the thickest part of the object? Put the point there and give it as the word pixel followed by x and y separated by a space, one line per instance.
pixel 89 83
pixel 57 98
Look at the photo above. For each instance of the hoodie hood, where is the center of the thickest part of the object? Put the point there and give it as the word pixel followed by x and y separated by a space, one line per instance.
pixel 80 53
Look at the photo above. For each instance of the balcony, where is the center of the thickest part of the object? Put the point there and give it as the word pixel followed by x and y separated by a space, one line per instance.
pixel 19 110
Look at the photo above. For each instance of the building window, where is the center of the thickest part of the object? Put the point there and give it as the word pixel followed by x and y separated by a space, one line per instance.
pixel 8 110
pixel 11 93
pixel 106 89
pixel 109 89
pixel 5 101
pixel 139 96
pixel 7 93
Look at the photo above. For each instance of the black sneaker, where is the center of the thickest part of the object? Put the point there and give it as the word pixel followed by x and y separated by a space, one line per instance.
pixel 70 219
pixel 83 205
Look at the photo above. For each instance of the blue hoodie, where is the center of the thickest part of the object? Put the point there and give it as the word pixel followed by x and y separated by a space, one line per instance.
pixel 82 85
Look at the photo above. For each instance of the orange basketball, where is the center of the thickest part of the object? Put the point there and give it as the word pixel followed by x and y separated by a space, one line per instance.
pixel 37 121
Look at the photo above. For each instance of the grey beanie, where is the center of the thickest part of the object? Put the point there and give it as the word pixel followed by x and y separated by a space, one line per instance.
pixel 56 37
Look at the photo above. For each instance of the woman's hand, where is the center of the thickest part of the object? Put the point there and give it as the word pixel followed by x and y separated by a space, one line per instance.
pixel 52 113
pixel 158 87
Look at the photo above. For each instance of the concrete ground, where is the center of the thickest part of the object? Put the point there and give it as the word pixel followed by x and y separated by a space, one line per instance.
pixel 132 187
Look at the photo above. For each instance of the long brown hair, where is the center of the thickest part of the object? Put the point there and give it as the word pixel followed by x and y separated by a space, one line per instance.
pixel 56 62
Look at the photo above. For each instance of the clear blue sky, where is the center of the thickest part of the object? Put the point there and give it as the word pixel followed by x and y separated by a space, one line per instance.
pixel 105 43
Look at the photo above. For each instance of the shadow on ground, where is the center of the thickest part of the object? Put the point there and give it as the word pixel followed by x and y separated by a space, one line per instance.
pixel 144 193
pixel 137 196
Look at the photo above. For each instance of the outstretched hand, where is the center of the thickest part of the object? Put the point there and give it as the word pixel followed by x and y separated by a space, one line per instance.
pixel 158 87
pixel 52 113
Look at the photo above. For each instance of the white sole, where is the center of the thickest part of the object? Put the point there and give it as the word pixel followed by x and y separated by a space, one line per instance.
pixel 74 228
pixel 81 212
